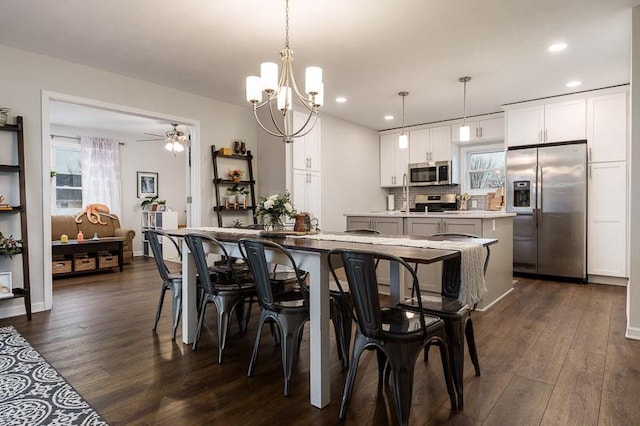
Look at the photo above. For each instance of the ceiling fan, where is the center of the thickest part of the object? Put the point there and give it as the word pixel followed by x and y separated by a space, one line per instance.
pixel 175 139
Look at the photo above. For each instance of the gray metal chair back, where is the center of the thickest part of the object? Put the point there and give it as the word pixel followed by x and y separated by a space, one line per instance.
pixel 170 280
pixel 395 333
pixel 255 254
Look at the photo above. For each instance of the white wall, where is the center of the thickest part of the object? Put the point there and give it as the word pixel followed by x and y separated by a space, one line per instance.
pixel 633 290
pixel 350 172
pixel 24 75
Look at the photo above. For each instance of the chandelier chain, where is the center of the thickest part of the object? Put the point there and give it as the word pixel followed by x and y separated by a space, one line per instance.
pixel 286 40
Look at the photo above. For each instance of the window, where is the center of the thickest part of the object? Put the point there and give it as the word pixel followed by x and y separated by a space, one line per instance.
pixel 483 168
pixel 66 197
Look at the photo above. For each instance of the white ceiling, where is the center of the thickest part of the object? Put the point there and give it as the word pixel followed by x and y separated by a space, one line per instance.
pixel 369 49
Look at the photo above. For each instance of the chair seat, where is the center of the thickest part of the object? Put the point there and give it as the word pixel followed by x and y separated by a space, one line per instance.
pixel 403 325
pixel 440 304
pixel 290 300
pixel 175 276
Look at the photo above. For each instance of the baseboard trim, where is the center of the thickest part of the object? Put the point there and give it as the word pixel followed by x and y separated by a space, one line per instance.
pixel 483 309
pixel 603 279
pixel 633 333
pixel 18 309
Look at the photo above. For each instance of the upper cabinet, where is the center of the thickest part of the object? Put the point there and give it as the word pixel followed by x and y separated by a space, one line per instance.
pixel 431 144
pixel 306 149
pixel 488 129
pixel 393 160
pixel 552 122
pixel 607 127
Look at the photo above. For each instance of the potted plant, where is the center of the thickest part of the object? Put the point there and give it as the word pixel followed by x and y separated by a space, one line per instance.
pixel 275 209
pixel 9 245
pixel 230 198
pixel 241 195
pixel 147 202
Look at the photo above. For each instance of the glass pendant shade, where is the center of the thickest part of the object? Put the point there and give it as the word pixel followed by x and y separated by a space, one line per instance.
pixel 269 76
pixel 254 91
pixel 313 80
pixel 464 133
pixel 403 141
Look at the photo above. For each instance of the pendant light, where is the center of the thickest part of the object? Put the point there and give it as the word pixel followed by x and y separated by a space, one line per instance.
pixel 465 131
pixel 403 140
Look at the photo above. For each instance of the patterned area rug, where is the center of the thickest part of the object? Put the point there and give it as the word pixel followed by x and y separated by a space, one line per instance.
pixel 31 390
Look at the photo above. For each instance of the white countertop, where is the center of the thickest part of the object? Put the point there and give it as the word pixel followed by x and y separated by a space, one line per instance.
pixel 468 214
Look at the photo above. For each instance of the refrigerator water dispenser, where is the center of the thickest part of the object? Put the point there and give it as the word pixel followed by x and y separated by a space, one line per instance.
pixel 522 193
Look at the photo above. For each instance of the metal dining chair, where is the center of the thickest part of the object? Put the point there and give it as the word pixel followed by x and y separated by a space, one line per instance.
pixel 171 281
pixel 226 287
pixel 456 316
pixel 288 310
pixel 396 333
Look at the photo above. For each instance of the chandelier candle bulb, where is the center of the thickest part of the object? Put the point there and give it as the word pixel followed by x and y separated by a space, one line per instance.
pixel 284 99
pixel 269 76
pixel 313 80
pixel 319 99
pixel 254 91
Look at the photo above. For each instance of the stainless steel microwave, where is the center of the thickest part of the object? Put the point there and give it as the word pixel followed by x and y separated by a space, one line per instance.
pixel 437 173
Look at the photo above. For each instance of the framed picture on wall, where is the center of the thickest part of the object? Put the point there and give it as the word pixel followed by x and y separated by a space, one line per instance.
pixel 6 290
pixel 147 184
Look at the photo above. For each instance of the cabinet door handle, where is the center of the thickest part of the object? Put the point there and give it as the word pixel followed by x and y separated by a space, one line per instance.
pixel 477 133
pixel 480 131
pixel 589 154
pixel 310 162
pixel 590 170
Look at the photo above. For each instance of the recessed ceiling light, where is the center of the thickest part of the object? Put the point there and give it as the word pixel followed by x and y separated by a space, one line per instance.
pixel 341 99
pixel 388 117
pixel 574 83
pixel 557 47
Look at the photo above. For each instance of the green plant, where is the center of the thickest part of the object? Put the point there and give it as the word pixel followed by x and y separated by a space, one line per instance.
pixel 275 208
pixel 148 200
pixel 9 245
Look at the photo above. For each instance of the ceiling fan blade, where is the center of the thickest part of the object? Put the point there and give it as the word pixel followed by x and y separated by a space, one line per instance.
pixel 153 134
pixel 147 140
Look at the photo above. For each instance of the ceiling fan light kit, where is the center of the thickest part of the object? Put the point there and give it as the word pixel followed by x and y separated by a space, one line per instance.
pixel 280 91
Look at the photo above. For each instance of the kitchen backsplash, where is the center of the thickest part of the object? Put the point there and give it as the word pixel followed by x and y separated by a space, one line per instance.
pixel 434 190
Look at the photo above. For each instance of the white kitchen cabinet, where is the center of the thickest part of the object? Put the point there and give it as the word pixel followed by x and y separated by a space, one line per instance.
pixel 306 192
pixel 607 127
pixel 552 122
pixel 440 140
pixel 488 129
pixel 430 144
pixel 306 149
pixel 393 161
pixel 156 220
pixel 430 226
pixel 607 224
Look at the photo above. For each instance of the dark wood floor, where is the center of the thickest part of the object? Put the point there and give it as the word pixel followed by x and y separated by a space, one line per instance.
pixel 551 353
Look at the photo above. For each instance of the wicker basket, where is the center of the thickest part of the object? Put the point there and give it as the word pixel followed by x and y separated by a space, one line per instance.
pixel 84 264
pixel 107 261
pixel 61 266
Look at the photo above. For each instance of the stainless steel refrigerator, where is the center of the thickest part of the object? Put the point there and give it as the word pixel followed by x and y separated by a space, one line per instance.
pixel 547 189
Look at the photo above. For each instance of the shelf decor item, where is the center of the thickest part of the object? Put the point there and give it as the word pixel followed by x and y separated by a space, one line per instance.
pixel 9 245
pixel 6 289
pixel 3 116
pixel 235 175
pixel 274 210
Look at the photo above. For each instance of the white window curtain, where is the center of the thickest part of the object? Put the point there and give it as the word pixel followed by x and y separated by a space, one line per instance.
pixel 101 172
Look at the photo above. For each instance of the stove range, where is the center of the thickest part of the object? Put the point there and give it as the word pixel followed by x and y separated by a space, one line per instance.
pixel 435 203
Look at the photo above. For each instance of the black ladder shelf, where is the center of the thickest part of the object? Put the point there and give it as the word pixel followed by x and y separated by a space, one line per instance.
pixel 221 184
pixel 25 291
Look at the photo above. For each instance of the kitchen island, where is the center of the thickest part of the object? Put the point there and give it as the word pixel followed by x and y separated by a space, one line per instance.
pixel 485 224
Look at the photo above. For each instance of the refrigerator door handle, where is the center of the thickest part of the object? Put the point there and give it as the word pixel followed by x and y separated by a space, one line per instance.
pixel 540 188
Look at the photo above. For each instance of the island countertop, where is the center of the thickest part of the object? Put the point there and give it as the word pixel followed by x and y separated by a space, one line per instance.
pixel 469 214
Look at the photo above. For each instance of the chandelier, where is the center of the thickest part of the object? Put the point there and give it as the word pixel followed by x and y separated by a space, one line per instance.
pixel 280 91
pixel 174 140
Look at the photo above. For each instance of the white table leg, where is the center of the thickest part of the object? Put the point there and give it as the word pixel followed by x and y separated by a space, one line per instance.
pixel 316 265
pixel 189 291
